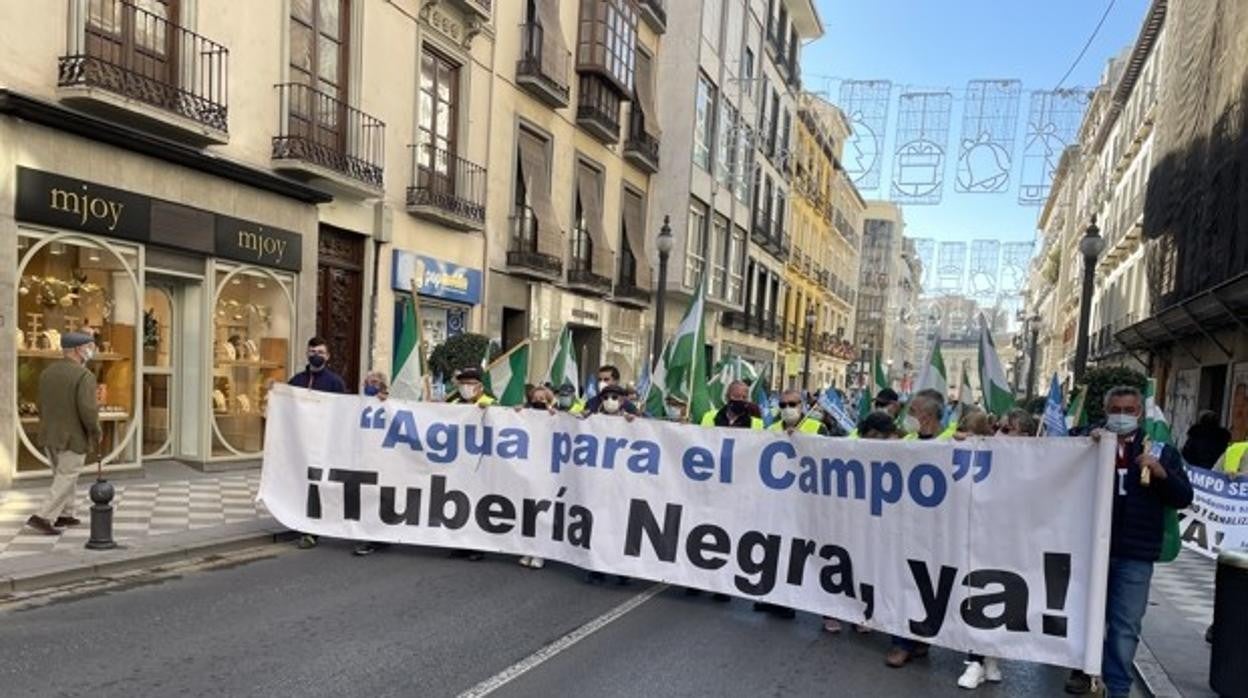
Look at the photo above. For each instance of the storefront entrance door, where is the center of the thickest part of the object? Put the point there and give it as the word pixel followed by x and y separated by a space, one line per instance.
pixel 339 299
pixel 171 355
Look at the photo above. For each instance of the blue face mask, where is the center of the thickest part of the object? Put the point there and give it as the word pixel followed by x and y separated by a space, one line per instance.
pixel 316 361
pixel 371 390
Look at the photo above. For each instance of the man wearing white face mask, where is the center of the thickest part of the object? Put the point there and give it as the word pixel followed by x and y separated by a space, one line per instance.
pixel 791 416
pixel 469 390
pixel 1150 477
pixel 613 401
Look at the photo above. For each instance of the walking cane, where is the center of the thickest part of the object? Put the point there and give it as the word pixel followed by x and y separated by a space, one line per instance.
pixel 101 494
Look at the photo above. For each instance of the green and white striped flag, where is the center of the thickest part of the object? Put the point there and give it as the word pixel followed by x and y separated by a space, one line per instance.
pixel 998 398
pixel 563 368
pixel 966 396
pixel 409 373
pixel 1156 427
pixel 506 376
pixel 681 370
pixel 729 369
pixel 933 375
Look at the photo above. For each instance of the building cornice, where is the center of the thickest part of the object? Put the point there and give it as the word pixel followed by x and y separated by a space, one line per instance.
pixel 93 128
pixel 1144 44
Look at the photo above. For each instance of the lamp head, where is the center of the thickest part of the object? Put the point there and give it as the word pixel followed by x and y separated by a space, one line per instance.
pixel 664 241
pixel 1092 244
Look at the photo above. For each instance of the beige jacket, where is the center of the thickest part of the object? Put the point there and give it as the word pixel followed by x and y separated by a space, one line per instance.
pixel 69 419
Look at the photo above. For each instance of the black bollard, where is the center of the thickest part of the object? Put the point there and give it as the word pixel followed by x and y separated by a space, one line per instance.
pixel 1230 626
pixel 101 516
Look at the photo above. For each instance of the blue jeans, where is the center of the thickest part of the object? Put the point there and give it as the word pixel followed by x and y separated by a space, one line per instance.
pixel 1125 602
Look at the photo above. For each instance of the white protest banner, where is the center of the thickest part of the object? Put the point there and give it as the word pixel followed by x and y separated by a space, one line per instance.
pixel 994 545
pixel 1217 520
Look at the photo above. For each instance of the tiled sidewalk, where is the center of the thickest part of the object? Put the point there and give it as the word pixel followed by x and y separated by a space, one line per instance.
pixel 1187 583
pixel 171 498
pixel 1173 655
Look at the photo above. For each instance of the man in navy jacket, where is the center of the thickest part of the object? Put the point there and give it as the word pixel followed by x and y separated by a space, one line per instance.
pixel 1140 502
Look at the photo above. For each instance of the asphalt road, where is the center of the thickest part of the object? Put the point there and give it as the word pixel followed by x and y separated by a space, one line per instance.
pixel 410 622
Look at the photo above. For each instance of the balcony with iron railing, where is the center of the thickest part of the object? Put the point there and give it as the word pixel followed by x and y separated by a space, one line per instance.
pixel 641 148
pixel 132 64
pixel 598 108
pixel 627 292
pixel 323 137
pixel 545 80
pixel 654 14
pixel 735 320
pixel 446 188
pixel 523 257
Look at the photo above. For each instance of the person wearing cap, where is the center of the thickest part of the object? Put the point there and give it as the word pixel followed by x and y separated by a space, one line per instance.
pixel 613 400
pixel 888 401
pixel 469 389
pixel 608 377
pixel 565 398
pixel 69 426
pixel 675 409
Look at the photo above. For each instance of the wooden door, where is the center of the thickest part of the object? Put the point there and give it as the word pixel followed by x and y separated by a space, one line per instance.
pixel 340 299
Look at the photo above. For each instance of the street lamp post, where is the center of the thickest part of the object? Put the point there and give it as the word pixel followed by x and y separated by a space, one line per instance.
pixel 1034 324
pixel 664 243
pixel 1017 377
pixel 810 329
pixel 1090 246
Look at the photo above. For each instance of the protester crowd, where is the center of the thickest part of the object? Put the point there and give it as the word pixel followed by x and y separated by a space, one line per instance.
pixel 1151 477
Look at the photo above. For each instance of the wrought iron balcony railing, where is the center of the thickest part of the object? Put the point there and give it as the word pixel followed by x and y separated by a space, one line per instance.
pixel 628 293
pixel 641 148
pixel 318 129
pixel 523 256
pixel 131 52
pixel 589 281
pixel 447 188
pixel 545 80
pixel 598 109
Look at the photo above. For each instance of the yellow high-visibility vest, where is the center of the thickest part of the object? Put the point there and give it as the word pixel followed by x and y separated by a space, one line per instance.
pixel 708 420
pixel 1233 457
pixel 806 426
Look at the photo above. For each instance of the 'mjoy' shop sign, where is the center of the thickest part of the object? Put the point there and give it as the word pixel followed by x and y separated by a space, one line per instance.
pixel 55 200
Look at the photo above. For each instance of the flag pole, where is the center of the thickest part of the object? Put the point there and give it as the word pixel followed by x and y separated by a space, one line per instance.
pixel 507 354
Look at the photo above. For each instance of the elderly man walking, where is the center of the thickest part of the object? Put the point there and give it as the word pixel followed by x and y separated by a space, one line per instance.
pixel 69 425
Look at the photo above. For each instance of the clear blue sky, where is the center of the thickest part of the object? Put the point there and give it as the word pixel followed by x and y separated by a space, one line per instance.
pixel 945 43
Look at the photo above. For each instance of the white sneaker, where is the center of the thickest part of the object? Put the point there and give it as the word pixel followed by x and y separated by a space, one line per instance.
pixel 524 561
pixel 537 563
pixel 992 670
pixel 973 676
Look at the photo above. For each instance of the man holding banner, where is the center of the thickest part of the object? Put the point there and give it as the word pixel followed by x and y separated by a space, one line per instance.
pixel 1149 478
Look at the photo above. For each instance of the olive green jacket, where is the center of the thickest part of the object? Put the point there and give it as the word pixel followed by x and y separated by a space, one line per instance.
pixel 69 419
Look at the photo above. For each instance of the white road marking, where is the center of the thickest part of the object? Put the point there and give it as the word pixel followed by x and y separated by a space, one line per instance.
pixel 546 653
